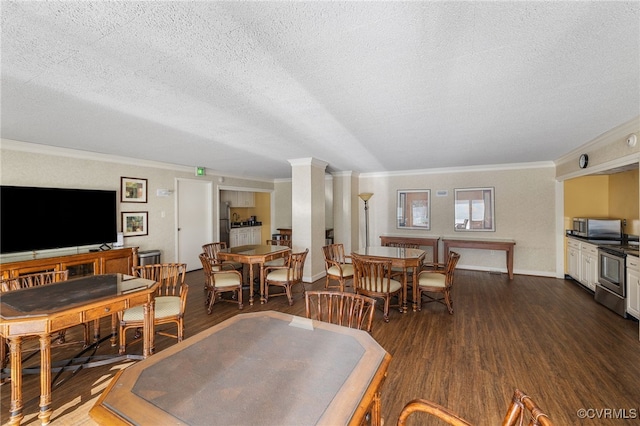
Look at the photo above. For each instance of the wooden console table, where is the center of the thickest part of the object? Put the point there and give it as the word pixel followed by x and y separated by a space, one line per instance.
pixel 385 240
pixel 506 245
pixel 117 260
pixel 43 310
pixel 271 368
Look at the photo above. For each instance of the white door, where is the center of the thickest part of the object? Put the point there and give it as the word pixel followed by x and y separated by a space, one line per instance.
pixel 195 220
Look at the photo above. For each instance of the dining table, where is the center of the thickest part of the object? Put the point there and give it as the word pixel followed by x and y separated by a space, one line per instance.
pixel 254 255
pixel 44 310
pixel 268 368
pixel 405 258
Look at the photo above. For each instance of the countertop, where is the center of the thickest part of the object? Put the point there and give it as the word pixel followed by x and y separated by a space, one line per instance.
pixel 244 224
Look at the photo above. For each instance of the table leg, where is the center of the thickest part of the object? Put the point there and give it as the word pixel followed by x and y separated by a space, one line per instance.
pixel 415 289
pixel 510 262
pixel 45 379
pixel 148 328
pixel 403 308
pixel 262 299
pixel 251 285
pixel 15 348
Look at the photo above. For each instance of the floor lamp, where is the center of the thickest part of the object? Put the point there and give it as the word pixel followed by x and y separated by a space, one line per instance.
pixel 365 196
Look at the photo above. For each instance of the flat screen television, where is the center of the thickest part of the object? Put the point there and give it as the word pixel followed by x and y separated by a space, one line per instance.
pixel 33 218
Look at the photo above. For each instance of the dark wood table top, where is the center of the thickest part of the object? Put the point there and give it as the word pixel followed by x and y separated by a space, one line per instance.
pixel 260 368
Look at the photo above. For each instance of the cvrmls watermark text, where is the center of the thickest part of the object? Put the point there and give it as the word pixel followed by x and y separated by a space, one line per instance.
pixel 608 413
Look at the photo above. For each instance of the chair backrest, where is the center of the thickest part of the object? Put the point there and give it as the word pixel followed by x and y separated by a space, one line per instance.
pixel 333 253
pixel 295 263
pixel 522 410
pixel 402 245
pixel 372 275
pixel 212 249
pixel 209 266
pixel 281 242
pixel 346 309
pixel 37 279
pixel 170 275
pixel 451 267
pixel 435 410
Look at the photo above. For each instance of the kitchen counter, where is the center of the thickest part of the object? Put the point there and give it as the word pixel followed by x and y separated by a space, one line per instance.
pixel 244 224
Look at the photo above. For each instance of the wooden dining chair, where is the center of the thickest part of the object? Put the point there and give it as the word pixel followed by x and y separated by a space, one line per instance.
pixel 280 242
pixel 212 249
pixel 170 302
pixel 374 278
pixel 337 307
pixel 522 411
pixel 220 281
pixel 285 276
pixel 437 281
pixel 337 268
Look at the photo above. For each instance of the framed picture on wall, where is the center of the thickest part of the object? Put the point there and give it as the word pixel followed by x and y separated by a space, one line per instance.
pixel 475 209
pixel 133 190
pixel 134 224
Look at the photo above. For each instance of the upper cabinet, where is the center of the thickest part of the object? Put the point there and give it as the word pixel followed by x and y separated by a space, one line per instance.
pixel 238 198
pixel 246 199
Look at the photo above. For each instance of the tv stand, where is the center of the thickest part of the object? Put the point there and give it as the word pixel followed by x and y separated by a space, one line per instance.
pixel 104 247
pixel 79 264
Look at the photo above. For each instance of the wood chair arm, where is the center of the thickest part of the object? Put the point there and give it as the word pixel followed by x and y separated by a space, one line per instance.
pixel 425 406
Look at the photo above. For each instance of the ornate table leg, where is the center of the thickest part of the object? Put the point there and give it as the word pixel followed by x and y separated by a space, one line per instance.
pixel 148 328
pixel 404 291
pixel 45 379
pixel 415 288
pixel 15 347
pixel 262 299
pixel 251 285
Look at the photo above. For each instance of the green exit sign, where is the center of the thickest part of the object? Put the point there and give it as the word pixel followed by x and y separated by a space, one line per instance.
pixel 200 171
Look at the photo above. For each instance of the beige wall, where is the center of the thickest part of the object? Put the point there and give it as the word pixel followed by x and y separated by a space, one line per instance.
pixel 26 165
pixel 525 212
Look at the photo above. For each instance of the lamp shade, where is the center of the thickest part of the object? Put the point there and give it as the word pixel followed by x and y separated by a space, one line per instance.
pixel 365 196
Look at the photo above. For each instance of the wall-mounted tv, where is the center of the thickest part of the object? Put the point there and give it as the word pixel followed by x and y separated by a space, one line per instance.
pixel 33 218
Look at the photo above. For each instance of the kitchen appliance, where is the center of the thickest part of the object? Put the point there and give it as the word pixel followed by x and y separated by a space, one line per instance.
pixel 611 289
pixel 592 228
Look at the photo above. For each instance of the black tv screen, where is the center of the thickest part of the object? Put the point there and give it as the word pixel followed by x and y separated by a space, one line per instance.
pixel 46 218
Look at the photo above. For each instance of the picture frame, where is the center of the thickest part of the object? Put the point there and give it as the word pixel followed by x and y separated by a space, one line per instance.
pixel 133 190
pixel 414 208
pixel 135 224
pixel 474 210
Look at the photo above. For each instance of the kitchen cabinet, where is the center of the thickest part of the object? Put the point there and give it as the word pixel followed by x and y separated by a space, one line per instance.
pixel 588 265
pixel 633 286
pixel 573 259
pixel 246 199
pixel 249 235
pixel 582 262
pixel 238 198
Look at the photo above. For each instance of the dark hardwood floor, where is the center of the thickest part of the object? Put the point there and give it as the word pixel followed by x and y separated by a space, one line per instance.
pixel 545 336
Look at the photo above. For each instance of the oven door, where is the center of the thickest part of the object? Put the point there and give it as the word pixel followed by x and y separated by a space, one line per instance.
pixel 611 271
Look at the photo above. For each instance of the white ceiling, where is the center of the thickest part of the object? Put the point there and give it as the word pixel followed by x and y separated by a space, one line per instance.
pixel 242 87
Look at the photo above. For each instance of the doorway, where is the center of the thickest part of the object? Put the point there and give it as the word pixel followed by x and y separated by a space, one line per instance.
pixel 195 220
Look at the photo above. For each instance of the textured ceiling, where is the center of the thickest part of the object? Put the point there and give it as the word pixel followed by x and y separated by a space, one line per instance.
pixel 242 87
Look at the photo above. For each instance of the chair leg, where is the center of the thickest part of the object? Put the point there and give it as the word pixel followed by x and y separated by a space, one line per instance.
pixel 448 301
pixel 385 316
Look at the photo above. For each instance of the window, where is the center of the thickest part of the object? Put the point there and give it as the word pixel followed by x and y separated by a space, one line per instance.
pixel 474 209
pixel 413 209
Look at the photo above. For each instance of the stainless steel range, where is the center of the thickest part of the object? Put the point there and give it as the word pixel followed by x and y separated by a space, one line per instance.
pixel 611 289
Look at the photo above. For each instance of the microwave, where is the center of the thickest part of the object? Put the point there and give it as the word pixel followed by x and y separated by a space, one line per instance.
pixel 597 228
